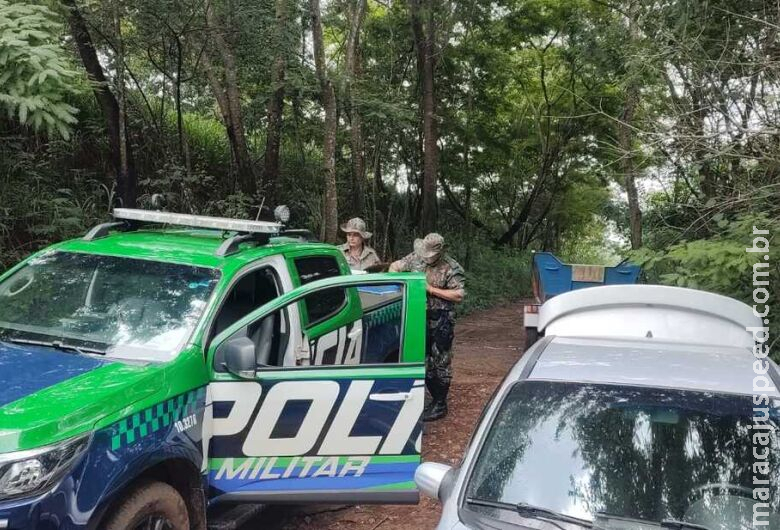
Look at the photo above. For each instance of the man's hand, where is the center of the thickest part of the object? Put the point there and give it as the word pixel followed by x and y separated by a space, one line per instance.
pixel 395 266
pixel 451 295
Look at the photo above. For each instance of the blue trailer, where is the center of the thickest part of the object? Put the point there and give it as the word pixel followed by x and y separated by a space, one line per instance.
pixel 552 277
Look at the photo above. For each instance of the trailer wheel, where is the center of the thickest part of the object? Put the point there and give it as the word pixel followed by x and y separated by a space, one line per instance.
pixel 531 336
pixel 150 506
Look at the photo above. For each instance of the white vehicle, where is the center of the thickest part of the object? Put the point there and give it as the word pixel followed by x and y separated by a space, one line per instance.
pixel 634 412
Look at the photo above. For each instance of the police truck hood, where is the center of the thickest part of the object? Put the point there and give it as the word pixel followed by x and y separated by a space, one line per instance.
pixel 49 395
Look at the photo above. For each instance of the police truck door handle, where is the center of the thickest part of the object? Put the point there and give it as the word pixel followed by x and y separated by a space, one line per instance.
pixel 396 396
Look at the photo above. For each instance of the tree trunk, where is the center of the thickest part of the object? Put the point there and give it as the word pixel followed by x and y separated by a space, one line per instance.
pixel 353 68
pixel 377 186
pixel 275 109
pixel 625 137
pixel 120 92
pixel 118 140
pixel 425 44
pixel 626 140
pixel 469 180
pixel 328 95
pixel 469 231
pixel 228 95
pixel 177 96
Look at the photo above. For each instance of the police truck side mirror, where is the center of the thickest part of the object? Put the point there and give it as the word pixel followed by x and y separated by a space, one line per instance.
pixel 239 356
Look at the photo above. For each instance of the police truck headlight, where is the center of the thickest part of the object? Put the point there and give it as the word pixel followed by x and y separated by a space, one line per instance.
pixel 31 472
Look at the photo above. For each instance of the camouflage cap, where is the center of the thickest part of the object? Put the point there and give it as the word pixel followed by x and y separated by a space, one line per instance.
pixel 430 246
pixel 356 225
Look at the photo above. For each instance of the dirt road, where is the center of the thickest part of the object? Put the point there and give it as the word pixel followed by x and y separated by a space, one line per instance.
pixel 487 344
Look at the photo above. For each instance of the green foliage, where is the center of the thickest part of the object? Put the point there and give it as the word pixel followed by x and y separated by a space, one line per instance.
pixel 206 139
pixel 37 209
pixel 719 264
pixel 493 276
pixel 520 84
pixel 35 75
pixel 529 93
pixel 588 243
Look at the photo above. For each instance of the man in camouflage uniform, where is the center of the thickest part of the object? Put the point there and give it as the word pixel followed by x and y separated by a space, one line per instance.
pixel 446 287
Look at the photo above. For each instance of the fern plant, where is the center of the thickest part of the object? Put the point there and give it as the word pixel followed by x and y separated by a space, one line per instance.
pixel 35 77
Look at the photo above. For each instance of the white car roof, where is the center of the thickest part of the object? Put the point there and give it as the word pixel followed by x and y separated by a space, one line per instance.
pixel 647 362
pixel 661 312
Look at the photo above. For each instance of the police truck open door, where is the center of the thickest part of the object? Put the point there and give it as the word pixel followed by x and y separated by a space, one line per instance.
pixel 317 395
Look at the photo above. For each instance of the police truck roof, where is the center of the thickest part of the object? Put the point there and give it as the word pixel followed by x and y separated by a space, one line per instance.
pixel 180 245
pixel 190 239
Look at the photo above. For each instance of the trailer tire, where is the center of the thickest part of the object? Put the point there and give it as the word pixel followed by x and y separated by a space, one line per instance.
pixel 150 505
pixel 531 336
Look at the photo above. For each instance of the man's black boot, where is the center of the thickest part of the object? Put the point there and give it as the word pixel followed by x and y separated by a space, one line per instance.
pixel 430 395
pixel 437 411
pixel 428 407
pixel 438 408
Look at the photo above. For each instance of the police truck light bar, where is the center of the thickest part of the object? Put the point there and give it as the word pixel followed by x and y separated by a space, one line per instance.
pixel 198 221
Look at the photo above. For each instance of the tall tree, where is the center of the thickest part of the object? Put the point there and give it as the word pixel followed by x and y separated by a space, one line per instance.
pixel 119 142
pixel 626 136
pixel 328 97
pixel 275 108
pixel 222 73
pixel 353 67
pixel 424 32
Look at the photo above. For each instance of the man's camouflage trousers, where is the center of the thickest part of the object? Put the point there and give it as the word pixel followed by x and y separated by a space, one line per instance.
pixel 438 355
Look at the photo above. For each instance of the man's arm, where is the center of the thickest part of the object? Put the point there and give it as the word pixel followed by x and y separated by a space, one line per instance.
pixel 451 295
pixel 402 265
pixel 454 288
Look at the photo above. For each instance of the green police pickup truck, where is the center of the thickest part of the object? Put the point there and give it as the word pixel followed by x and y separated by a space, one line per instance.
pixel 166 365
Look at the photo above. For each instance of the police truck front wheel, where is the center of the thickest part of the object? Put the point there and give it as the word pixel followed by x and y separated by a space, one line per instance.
pixel 150 506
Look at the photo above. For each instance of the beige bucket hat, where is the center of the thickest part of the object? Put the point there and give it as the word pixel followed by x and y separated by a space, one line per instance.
pixel 358 226
pixel 430 246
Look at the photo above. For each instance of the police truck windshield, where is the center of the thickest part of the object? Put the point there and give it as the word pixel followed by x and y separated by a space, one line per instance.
pixel 626 455
pixel 121 307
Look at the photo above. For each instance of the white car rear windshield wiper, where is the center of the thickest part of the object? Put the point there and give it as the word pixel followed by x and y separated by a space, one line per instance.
pixel 531 511
pixel 57 345
pixel 673 524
